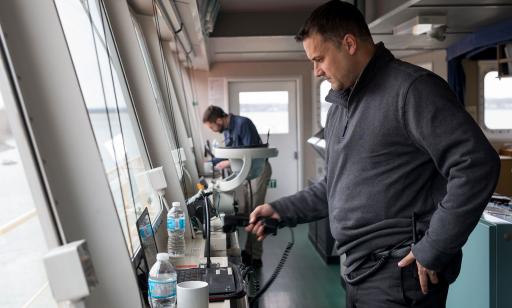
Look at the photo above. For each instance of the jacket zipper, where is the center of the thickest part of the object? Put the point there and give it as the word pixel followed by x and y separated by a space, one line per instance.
pixel 348 109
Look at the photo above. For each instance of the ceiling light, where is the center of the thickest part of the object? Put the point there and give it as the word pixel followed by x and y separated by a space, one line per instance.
pixel 419 25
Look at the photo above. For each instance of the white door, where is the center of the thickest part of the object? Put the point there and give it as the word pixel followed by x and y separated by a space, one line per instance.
pixel 272 106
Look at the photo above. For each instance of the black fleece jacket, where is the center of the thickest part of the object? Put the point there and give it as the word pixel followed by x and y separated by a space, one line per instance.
pixel 399 142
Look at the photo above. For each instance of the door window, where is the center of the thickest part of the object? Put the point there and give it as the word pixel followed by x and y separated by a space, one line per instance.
pixel 325 86
pixel 268 110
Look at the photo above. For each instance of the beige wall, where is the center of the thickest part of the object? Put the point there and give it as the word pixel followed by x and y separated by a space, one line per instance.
pixel 437 58
pixel 249 70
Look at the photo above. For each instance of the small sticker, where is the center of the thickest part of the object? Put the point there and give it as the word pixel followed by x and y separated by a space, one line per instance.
pixel 272 183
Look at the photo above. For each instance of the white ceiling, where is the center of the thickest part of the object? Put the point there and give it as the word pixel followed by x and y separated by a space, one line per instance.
pixel 263 30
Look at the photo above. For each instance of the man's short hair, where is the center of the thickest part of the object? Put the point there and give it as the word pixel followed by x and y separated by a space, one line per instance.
pixel 212 113
pixel 333 20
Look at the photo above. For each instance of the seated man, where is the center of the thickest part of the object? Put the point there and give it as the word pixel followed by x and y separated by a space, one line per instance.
pixel 240 131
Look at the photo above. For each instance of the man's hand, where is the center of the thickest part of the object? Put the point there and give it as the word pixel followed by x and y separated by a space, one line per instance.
pixel 223 164
pixel 424 274
pixel 255 226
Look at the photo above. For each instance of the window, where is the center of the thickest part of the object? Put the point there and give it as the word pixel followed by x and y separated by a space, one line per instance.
pixel 23 280
pixel 111 111
pixel 160 101
pixel 325 86
pixel 497 105
pixel 268 110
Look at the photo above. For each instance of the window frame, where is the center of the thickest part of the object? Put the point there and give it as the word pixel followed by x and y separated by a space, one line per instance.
pixel 19 124
pixel 171 109
pixel 60 129
pixel 158 99
pixel 124 94
pixel 484 67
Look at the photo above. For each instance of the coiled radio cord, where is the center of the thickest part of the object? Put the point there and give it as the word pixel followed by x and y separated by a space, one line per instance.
pixel 276 272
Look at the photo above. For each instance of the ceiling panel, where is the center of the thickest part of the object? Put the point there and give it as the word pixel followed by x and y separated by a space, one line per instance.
pixel 420 43
pixel 251 6
pixel 464 2
pixel 461 16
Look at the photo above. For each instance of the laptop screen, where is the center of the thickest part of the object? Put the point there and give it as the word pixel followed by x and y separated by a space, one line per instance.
pixel 147 238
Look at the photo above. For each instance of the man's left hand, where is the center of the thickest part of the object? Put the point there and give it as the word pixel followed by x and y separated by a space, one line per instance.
pixel 424 274
pixel 222 165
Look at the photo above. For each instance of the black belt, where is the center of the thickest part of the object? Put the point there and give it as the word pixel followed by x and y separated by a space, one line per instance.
pixel 398 251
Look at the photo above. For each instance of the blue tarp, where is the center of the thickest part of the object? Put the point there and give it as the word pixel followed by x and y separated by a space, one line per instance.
pixel 470 45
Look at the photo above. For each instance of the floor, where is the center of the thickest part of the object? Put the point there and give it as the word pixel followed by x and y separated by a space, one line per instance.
pixel 305 281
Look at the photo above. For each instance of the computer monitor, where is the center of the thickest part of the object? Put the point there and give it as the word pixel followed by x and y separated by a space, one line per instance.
pixel 147 239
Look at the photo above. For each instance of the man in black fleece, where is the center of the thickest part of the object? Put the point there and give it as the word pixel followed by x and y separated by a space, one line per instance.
pixel 401 152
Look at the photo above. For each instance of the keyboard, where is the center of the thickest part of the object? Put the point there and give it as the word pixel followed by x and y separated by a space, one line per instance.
pixel 501 211
pixel 191 274
pixel 220 279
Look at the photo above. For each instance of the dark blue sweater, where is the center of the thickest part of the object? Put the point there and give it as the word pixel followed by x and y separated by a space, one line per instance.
pixel 399 142
pixel 240 132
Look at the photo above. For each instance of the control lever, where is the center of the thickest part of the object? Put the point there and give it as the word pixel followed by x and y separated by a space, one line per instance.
pixel 270 225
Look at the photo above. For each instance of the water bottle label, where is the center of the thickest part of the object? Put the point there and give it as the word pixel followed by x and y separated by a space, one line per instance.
pixel 176 224
pixel 162 289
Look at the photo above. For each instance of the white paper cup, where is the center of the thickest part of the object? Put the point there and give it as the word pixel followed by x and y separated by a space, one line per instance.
pixel 192 294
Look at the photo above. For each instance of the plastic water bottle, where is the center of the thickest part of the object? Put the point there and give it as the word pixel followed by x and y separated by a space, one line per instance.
pixel 162 283
pixel 176 231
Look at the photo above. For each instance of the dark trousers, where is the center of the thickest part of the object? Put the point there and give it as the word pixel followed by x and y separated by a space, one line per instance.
pixel 394 287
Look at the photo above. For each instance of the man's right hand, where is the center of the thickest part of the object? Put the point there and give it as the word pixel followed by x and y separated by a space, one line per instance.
pixel 256 226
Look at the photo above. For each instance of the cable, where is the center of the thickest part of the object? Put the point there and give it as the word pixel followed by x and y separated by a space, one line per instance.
pixel 276 272
pixel 254 283
pixel 251 200
pixel 251 208
pixel 192 81
pixel 180 76
pixel 206 219
pixel 189 177
pixel 103 14
pixel 169 103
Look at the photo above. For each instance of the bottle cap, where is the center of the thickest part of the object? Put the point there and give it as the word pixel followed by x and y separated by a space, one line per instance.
pixel 163 256
pixel 175 204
